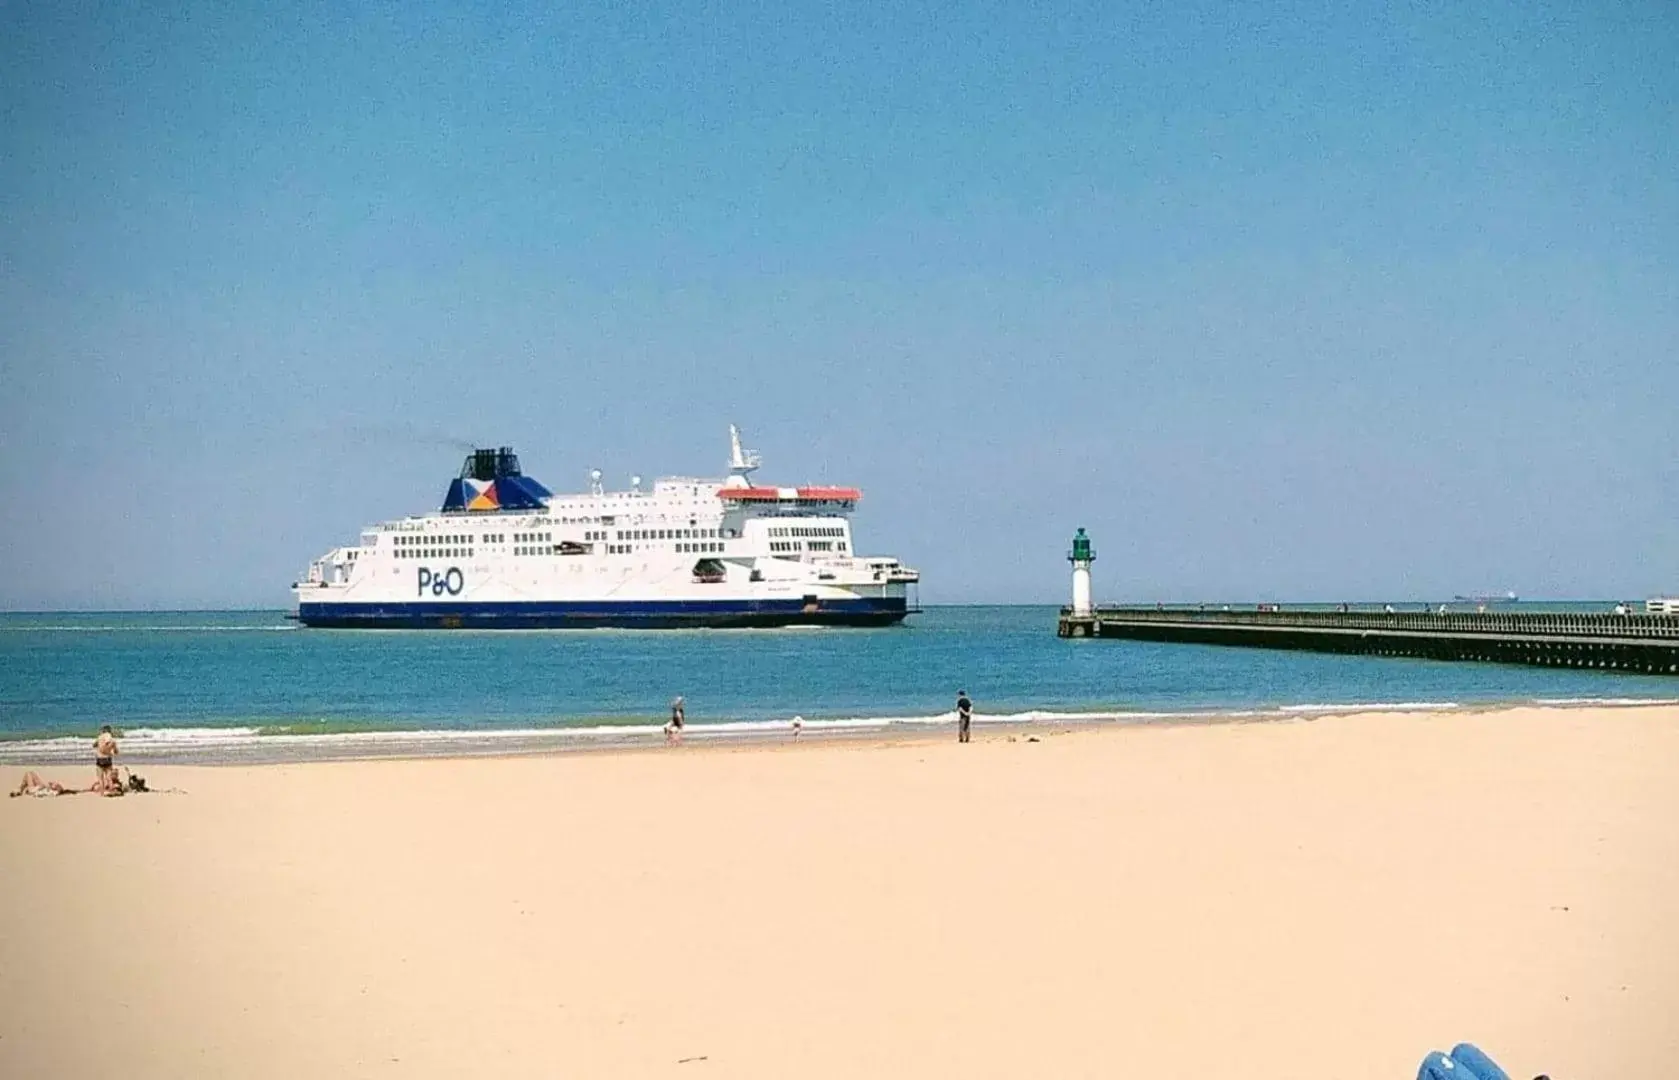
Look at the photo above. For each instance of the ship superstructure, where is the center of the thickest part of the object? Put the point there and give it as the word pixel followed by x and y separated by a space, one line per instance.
pixel 505 552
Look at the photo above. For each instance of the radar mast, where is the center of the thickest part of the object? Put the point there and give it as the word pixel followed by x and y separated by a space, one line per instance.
pixel 741 462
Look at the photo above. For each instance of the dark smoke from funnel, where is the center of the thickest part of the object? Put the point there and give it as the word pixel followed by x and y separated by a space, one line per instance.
pixel 410 434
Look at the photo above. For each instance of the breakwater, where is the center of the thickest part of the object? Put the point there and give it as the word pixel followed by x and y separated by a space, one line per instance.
pixel 1643 643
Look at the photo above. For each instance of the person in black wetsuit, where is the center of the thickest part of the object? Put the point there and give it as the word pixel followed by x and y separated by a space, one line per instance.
pixel 964 717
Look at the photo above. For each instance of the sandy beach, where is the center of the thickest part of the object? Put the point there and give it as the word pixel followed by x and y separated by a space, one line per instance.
pixel 1306 898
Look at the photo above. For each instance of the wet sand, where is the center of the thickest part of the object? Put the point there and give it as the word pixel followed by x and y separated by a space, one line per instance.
pixel 1332 897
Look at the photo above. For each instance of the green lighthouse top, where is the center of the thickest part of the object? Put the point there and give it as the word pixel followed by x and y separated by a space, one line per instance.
pixel 1081 549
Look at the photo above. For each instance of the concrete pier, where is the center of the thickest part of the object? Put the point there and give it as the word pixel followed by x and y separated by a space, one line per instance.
pixel 1642 643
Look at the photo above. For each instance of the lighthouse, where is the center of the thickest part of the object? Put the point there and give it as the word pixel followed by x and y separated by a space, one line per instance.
pixel 1081 557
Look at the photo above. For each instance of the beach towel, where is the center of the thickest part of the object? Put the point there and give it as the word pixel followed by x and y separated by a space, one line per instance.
pixel 1465 1062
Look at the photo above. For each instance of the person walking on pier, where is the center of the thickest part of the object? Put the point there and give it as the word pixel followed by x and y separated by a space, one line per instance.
pixel 964 717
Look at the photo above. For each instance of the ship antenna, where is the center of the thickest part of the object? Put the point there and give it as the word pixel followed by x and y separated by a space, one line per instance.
pixel 741 462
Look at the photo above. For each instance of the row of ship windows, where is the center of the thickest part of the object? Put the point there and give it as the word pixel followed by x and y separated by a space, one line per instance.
pixel 806 531
pixel 425 541
pixel 710 547
pixel 814 545
pixel 714 547
pixel 667 534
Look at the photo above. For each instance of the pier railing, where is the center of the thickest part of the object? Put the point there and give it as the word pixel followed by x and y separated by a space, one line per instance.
pixel 1594 625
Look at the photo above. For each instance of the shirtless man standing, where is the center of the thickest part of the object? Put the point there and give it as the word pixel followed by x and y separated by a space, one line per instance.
pixel 104 760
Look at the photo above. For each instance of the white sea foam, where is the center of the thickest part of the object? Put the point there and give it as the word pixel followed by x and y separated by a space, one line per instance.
pixel 248 742
pixel 186 742
pixel 1371 706
pixel 1569 702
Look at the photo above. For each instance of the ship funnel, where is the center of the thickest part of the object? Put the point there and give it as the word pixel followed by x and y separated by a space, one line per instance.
pixel 490 480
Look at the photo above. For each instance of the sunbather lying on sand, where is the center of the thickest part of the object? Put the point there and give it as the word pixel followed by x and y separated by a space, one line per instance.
pixel 33 785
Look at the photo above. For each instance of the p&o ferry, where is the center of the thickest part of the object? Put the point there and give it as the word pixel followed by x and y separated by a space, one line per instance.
pixel 505 552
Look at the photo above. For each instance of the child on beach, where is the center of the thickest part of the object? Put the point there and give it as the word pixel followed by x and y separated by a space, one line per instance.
pixel 678 717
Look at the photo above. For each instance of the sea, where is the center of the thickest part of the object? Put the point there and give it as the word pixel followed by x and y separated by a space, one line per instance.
pixel 237 686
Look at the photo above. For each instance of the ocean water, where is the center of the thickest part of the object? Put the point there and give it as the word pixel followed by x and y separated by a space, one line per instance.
pixel 239 684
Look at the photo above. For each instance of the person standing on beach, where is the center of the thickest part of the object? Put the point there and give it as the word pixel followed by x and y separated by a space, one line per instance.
pixel 964 717
pixel 678 717
pixel 105 760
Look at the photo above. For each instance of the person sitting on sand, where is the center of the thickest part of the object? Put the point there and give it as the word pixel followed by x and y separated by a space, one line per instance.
pixel 33 785
pixel 104 761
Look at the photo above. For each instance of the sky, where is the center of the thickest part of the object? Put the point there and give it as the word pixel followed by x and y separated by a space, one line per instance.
pixel 1282 301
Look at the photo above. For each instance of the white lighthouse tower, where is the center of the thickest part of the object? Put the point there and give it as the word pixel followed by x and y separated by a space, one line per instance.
pixel 1081 557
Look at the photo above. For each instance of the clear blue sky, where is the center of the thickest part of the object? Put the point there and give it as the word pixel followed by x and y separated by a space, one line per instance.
pixel 1323 300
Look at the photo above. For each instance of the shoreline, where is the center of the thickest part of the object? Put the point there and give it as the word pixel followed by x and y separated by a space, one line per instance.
pixel 248 745
pixel 1206 898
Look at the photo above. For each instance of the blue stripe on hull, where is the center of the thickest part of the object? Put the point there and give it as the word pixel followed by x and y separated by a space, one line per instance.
pixel 674 614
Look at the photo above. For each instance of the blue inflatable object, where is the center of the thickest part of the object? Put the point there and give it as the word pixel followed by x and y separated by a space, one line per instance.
pixel 1465 1062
